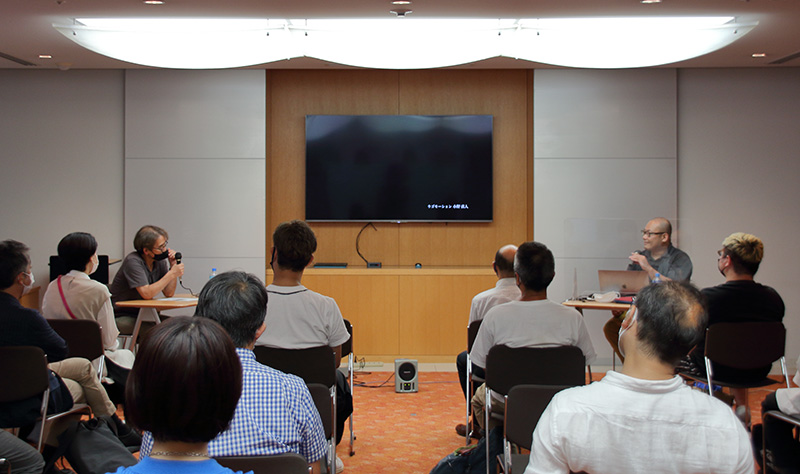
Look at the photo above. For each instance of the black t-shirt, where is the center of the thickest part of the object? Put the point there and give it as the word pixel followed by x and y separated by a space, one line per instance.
pixel 739 301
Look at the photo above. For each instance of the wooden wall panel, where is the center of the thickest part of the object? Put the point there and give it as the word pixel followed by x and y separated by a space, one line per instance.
pixel 501 93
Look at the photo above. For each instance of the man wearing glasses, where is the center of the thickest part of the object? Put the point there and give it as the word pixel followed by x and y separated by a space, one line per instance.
pixel 660 259
pixel 149 270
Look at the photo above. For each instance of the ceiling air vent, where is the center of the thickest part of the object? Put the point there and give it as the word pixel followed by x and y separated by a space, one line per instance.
pixel 786 59
pixel 16 60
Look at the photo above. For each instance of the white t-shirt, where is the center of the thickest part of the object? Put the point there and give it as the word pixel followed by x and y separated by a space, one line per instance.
pixel 623 424
pixel 531 324
pixel 298 318
pixel 504 290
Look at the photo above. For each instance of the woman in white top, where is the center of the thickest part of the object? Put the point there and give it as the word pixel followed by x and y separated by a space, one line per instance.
pixel 76 296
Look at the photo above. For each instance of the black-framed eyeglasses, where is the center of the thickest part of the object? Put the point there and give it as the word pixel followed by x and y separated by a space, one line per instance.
pixel 721 253
pixel 647 233
pixel 162 247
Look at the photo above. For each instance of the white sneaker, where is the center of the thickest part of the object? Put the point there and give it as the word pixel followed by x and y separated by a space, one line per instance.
pixel 339 465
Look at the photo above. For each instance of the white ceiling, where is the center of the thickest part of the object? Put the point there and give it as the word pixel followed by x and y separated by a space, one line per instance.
pixel 26 25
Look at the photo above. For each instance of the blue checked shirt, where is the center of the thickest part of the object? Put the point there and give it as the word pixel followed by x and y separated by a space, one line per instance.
pixel 275 415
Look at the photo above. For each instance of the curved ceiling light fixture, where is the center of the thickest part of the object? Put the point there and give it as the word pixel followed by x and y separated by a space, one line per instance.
pixel 615 43
pixel 405 43
pixel 185 43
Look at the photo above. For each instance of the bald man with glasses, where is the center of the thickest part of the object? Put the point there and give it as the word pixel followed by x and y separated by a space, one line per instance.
pixel 660 259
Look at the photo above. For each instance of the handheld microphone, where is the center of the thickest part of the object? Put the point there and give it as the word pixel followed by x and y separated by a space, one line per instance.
pixel 178 257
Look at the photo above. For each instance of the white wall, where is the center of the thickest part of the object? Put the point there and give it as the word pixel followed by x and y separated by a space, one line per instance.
pixel 605 162
pixel 738 171
pixel 61 152
pixel 195 164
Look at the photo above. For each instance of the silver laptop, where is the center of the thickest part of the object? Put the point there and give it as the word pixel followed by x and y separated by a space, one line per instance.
pixel 625 282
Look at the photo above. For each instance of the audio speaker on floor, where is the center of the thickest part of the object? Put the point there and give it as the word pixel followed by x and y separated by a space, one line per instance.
pixel 405 376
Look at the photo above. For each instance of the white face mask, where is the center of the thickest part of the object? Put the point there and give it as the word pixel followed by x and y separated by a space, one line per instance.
pixel 27 288
pixel 623 329
pixel 95 264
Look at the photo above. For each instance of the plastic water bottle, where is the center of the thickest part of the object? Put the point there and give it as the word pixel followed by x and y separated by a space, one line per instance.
pixel 213 273
pixel 657 279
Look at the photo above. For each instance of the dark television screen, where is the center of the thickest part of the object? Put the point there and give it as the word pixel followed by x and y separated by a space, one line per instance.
pixel 399 168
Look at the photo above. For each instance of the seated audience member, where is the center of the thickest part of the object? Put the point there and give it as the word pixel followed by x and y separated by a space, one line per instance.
pixel 739 299
pixel 276 413
pixel 145 273
pixel 76 296
pixel 530 322
pixel 183 389
pixel 505 290
pixel 644 418
pixel 783 454
pixel 299 318
pixel 658 257
pixel 20 326
pixel 22 457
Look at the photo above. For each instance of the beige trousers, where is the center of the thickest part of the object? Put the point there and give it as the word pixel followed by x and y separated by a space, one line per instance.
pixel 81 380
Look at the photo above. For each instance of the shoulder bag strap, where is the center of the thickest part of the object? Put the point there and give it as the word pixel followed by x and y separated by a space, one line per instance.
pixel 64 299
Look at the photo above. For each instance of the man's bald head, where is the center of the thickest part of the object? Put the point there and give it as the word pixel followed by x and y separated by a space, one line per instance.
pixel 504 261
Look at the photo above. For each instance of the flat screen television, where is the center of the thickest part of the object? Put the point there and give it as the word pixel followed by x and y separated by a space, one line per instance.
pixel 399 168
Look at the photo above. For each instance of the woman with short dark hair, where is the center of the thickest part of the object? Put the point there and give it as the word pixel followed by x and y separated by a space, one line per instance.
pixel 76 296
pixel 184 388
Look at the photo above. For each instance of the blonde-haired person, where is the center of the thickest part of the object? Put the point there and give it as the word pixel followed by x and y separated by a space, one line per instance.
pixel 739 299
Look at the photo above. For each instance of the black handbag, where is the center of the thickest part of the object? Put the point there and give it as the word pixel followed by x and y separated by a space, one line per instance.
pixel 92 447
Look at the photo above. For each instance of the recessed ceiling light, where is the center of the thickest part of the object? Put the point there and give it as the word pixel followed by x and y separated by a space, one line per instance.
pixel 45 56
pixel 153 2
pixel 401 2
pixel 649 1
pixel 759 55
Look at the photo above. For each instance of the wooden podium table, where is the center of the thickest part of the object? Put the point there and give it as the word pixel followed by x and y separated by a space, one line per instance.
pixel 148 310
pixel 581 305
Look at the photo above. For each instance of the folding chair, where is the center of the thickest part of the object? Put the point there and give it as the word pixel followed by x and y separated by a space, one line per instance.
pixel 507 367
pixel 347 350
pixel 743 346
pixel 315 365
pixel 26 366
pixel 524 406
pixel 472 333
pixel 83 339
pixel 286 463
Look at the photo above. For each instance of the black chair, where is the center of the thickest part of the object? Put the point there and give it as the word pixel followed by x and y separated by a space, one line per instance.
pixel 83 339
pixel 774 416
pixel 286 463
pixel 471 379
pixel 347 350
pixel 315 365
pixel 507 367
pixel 743 346
pixel 524 406
pixel 26 366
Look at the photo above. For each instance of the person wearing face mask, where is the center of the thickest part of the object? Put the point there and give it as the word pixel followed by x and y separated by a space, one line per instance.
pixel 145 273
pixel 76 381
pixel 76 296
pixel 644 418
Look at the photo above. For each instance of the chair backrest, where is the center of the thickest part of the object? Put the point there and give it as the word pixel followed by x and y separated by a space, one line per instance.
pixel 313 365
pixel 524 406
pixel 23 373
pixel 558 365
pixel 82 335
pixel 347 347
pixel 745 345
pixel 472 333
pixel 322 400
pixel 286 463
